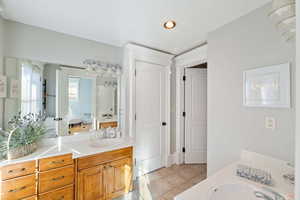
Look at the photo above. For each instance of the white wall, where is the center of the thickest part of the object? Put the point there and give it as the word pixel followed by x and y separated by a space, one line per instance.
pixel 173 110
pixel 11 105
pixel 50 76
pixel 1 44
pixel 298 107
pixel 249 42
pixel 1 65
pixel 24 41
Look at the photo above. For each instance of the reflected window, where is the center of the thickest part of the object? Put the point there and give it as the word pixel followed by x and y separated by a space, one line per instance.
pixel 80 104
pixel 31 95
pixel 74 89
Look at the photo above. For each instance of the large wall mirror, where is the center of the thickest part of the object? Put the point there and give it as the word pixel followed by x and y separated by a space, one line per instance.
pixel 72 99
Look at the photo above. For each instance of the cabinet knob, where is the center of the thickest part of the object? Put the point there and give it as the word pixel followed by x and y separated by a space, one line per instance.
pixel 58 162
pixel 58 178
pixel 21 170
pixel 18 189
pixel 62 198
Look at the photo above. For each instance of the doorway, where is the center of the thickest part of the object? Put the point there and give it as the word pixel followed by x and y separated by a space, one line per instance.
pixel 195 114
pixel 191 113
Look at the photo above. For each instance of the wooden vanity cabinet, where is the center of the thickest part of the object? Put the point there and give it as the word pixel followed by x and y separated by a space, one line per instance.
pixel 108 124
pixel 18 188
pixel 17 170
pixel 90 184
pixel 110 177
pixel 56 178
pixel 31 198
pixel 97 177
pixel 59 194
pixel 118 177
pixel 18 181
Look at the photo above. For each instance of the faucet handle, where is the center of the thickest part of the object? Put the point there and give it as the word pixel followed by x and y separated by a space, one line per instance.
pixel 290 178
pixel 276 194
pixel 261 195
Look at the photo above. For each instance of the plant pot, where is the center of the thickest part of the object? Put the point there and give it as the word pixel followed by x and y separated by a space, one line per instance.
pixel 21 151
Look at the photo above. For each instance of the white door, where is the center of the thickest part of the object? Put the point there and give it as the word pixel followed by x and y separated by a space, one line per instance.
pixel 62 102
pixel 150 115
pixel 196 115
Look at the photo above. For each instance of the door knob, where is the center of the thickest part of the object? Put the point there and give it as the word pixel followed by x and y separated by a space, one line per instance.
pixel 164 123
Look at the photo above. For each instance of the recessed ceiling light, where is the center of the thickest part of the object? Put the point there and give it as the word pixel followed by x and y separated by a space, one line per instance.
pixel 169 24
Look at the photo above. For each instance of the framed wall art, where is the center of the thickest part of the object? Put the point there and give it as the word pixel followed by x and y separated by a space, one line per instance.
pixel 14 88
pixel 3 86
pixel 267 86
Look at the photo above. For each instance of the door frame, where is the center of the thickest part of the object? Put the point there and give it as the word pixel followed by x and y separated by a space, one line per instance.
pixel 134 53
pixel 196 57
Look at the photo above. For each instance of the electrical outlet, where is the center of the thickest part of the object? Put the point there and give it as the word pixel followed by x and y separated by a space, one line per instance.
pixel 270 123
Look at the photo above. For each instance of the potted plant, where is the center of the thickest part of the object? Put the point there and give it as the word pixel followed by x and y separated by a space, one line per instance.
pixel 25 132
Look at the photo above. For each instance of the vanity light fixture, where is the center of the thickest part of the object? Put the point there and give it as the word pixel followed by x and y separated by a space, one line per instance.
pixel 102 68
pixel 170 24
pixel 283 13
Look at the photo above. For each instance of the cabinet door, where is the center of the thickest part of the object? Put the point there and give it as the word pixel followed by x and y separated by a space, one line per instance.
pixel 118 177
pixel 90 184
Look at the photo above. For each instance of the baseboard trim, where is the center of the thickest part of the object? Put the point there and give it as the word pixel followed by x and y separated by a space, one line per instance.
pixel 175 158
pixel 171 159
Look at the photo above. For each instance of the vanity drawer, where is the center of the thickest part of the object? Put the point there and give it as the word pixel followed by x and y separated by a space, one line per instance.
pixel 31 198
pixel 56 178
pixel 55 162
pixel 108 124
pixel 66 193
pixel 94 160
pixel 17 170
pixel 18 188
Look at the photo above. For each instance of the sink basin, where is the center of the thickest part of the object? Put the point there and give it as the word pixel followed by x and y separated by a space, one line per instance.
pixel 98 143
pixel 233 192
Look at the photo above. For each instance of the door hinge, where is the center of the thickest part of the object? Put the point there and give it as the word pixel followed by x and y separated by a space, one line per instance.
pixel 135 117
pixel 135 162
pixel 184 78
pixel 184 114
pixel 183 149
pixel 135 72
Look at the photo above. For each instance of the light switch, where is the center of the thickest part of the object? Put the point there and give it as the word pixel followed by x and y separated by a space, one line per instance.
pixel 270 123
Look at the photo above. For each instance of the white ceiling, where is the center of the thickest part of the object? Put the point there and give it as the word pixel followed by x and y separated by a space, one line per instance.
pixel 117 22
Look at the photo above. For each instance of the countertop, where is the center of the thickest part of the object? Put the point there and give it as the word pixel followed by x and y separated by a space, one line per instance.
pixel 227 175
pixel 78 146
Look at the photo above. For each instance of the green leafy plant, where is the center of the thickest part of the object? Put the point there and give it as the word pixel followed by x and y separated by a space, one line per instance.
pixel 28 129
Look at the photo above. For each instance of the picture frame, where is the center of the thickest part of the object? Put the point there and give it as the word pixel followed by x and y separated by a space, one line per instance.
pixel 3 86
pixel 267 87
pixel 14 88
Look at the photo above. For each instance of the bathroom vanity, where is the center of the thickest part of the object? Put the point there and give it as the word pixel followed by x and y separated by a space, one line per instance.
pixel 104 176
pixel 70 171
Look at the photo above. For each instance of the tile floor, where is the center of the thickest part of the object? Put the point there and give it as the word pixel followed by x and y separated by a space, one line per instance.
pixel 166 183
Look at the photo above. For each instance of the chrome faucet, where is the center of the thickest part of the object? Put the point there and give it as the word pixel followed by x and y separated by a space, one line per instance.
pixel 262 195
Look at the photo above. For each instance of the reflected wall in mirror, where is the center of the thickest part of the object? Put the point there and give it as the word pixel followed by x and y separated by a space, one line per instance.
pixel 73 99
pixel 108 102
pixel 80 104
